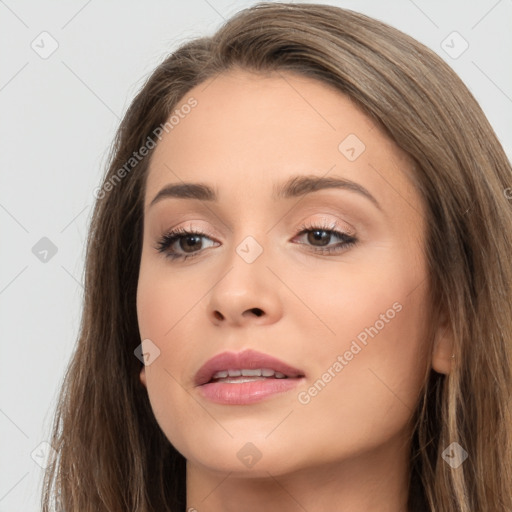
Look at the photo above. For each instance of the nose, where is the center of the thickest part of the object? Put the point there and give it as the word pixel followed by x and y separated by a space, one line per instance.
pixel 247 292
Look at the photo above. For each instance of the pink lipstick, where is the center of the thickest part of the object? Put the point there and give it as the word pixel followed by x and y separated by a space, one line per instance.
pixel 244 378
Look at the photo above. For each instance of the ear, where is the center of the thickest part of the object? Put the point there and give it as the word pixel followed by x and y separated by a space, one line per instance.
pixel 142 376
pixel 442 350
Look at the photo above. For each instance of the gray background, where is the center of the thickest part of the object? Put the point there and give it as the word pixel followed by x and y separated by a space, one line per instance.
pixel 58 115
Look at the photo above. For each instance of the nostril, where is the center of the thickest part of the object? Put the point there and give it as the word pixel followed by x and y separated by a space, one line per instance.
pixel 256 311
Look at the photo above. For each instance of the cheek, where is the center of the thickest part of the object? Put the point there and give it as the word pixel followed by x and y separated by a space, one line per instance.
pixel 369 375
pixel 375 387
pixel 378 294
pixel 165 298
pixel 153 299
pixel 368 367
pixel 164 304
pixel 155 307
pixel 158 313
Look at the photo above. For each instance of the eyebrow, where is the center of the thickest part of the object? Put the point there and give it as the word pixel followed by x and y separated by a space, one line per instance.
pixel 293 187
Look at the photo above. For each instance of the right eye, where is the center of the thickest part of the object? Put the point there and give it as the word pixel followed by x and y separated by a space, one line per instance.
pixel 184 239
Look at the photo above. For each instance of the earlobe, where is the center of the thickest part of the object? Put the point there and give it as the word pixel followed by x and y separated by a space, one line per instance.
pixel 442 351
pixel 142 376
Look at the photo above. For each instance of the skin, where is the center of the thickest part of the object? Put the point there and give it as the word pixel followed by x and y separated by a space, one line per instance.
pixel 347 448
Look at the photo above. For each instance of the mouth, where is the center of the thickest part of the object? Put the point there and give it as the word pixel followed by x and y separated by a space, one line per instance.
pixel 245 366
pixel 245 377
pixel 234 376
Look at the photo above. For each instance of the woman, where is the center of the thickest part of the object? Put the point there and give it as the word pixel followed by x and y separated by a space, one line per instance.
pixel 298 287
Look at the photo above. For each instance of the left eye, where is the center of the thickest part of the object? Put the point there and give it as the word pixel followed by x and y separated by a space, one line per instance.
pixel 190 241
pixel 322 236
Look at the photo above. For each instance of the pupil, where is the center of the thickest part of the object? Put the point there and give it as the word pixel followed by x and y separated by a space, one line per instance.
pixel 193 239
pixel 319 236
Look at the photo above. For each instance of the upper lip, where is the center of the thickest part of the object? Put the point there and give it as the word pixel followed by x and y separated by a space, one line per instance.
pixel 248 359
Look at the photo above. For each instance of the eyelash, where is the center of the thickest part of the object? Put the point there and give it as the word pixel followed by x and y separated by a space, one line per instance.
pixel 168 239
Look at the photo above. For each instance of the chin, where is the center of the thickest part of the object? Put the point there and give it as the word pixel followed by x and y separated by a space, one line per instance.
pixel 244 458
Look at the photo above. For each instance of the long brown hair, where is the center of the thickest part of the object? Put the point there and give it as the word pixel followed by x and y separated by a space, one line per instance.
pixel 113 456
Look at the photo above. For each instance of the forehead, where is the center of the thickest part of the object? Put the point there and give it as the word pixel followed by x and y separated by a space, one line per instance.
pixel 248 131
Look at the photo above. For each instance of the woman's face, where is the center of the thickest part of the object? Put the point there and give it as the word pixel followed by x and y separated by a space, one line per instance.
pixel 348 310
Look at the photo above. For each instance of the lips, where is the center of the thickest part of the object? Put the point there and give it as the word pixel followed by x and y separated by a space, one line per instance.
pixel 246 360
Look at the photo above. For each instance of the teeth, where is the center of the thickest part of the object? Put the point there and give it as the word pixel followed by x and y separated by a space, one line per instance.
pixel 251 373
pixel 246 372
pixel 240 380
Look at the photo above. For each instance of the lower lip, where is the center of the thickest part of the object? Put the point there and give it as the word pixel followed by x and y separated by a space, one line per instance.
pixel 246 392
